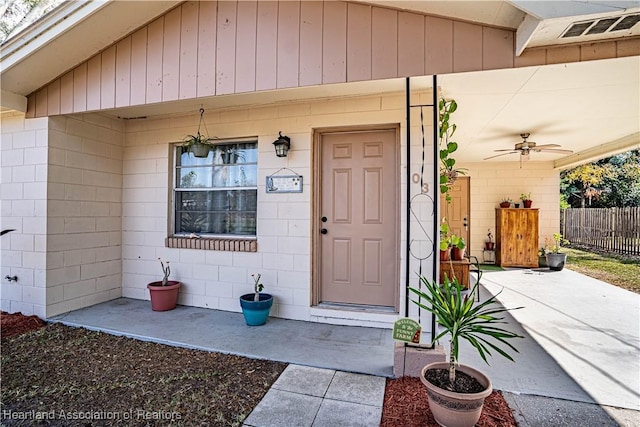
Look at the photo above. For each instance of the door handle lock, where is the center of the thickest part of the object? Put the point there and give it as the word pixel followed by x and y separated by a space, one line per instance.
pixel 323 231
pixel 323 219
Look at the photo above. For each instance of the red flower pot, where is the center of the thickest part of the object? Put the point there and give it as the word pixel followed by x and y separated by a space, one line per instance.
pixel 164 298
pixel 527 203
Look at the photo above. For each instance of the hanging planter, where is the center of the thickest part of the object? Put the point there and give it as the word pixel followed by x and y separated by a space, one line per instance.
pixel 199 144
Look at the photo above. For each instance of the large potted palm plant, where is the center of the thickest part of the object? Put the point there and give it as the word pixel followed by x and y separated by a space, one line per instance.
pixel 456 392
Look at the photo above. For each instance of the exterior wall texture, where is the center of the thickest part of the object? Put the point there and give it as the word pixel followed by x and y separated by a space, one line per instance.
pixel 24 208
pixel 84 196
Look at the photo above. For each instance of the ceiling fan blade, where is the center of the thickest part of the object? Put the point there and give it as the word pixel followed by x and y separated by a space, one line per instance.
pixel 506 149
pixel 554 150
pixel 498 155
pixel 537 147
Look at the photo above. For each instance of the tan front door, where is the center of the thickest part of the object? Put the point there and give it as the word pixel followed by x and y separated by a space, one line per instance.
pixel 457 212
pixel 358 219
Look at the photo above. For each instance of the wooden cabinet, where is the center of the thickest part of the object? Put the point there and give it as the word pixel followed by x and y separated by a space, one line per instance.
pixel 517 237
pixel 460 270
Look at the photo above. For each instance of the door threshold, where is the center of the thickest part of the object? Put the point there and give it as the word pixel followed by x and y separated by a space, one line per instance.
pixel 356 307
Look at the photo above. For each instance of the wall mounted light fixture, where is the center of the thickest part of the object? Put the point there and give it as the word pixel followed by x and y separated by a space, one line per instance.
pixel 282 145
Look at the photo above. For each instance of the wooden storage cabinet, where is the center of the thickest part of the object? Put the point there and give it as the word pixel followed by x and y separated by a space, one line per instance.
pixel 517 237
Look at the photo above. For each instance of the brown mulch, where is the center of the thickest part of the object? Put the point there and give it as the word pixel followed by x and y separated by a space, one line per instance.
pixel 73 372
pixel 405 405
pixel 17 323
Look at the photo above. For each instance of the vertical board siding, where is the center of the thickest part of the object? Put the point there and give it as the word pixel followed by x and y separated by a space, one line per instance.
pixel 266 45
pixel 108 78
pixel 358 42
pixel 246 47
pixel 123 73
pixel 226 48
pixel 171 55
pixel 384 43
pixel 155 41
pixel 334 43
pixel 411 44
pixel 438 39
pixel 94 67
pixel 53 98
pixel 288 51
pixel 467 47
pixel 188 50
pixel 138 66
pixel 80 88
pixel 207 33
pixel 311 43
pixel 66 93
pixel 209 48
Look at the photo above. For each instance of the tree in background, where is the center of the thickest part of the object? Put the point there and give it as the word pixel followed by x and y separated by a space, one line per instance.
pixel 18 14
pixel 610 182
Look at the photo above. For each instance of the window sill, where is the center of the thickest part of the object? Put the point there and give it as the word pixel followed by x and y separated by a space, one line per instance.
pixel 212 244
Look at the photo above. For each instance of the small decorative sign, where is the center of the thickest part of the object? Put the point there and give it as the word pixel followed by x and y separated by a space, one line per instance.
pixel 284 184
pixel 407 330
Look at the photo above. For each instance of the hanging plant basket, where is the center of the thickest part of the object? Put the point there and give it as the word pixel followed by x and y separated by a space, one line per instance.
pixel 200 150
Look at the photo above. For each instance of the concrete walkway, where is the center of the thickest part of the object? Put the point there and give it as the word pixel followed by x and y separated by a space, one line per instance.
pixel 579 364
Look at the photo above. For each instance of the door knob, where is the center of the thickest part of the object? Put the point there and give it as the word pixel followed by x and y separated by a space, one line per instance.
pixel 323 219
pixel 323 231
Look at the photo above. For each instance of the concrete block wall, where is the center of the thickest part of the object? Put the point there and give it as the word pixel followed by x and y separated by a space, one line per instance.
pixel 23 188
pixel 84 226
pixel 215 279
pixel 491 181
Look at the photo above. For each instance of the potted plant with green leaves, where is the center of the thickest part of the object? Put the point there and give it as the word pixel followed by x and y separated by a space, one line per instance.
pixel 456 392
pixel 555 258
pixel 542 257
pixel 164 293
pixel 445 241
pixel 526 200
pixel 448 170
pixel 505 202
pixel 458 246
pixel 257 305
pixel 198 144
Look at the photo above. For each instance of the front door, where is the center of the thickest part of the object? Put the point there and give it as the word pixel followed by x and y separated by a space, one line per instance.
pixel 457 211
pixel 358 243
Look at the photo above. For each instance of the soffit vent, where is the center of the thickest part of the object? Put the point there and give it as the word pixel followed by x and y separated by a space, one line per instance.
pixel 601 26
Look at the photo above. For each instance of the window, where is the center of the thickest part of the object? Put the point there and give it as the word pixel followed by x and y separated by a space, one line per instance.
pixel 217 195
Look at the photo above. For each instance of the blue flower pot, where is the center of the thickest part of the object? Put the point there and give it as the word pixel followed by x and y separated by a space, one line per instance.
pixel 256 312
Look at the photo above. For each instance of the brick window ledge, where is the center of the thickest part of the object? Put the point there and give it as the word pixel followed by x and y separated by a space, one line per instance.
pixel 212 244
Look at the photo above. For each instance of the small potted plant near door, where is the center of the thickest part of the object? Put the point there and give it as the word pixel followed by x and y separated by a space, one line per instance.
pixel 164 293
pixel 256 306
pixel 526 200
pixel 451 403
pixel 505 202
pixel 445 241
pixel 555 258
pixel 457 248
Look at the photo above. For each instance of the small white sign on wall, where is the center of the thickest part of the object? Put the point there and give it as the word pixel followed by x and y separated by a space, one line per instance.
pixel 284 184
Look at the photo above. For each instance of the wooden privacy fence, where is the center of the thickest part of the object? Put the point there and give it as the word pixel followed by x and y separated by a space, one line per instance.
pixel 609 229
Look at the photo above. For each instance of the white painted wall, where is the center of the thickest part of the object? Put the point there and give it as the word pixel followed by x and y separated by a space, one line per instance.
pixel 84 256
pixel 491 181
pixel 24 208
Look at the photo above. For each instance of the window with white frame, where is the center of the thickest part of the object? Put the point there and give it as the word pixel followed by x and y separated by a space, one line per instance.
pixel 216 195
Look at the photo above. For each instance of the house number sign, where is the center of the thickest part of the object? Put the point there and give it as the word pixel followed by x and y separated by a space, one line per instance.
pixel 284 184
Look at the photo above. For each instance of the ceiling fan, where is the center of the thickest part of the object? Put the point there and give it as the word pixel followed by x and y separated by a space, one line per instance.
pixel 525 147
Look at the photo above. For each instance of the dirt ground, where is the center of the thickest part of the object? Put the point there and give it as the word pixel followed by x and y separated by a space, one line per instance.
pixel 76 377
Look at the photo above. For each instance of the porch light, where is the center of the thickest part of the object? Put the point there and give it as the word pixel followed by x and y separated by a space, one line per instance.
pixel 282 145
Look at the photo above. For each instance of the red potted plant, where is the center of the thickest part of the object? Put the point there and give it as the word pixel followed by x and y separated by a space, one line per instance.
pixel 526 199
pixel 505 202
pixel 164 293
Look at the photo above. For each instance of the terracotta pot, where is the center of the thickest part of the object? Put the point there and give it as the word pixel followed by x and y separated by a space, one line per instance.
pixel 445 255
pixel 453 409
pixel 164 298
pixel 527 203
pixel 505 204
pixel 457 254
pixel 489 246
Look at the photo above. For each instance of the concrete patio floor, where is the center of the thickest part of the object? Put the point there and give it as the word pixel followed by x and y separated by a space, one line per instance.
pixel 579 364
